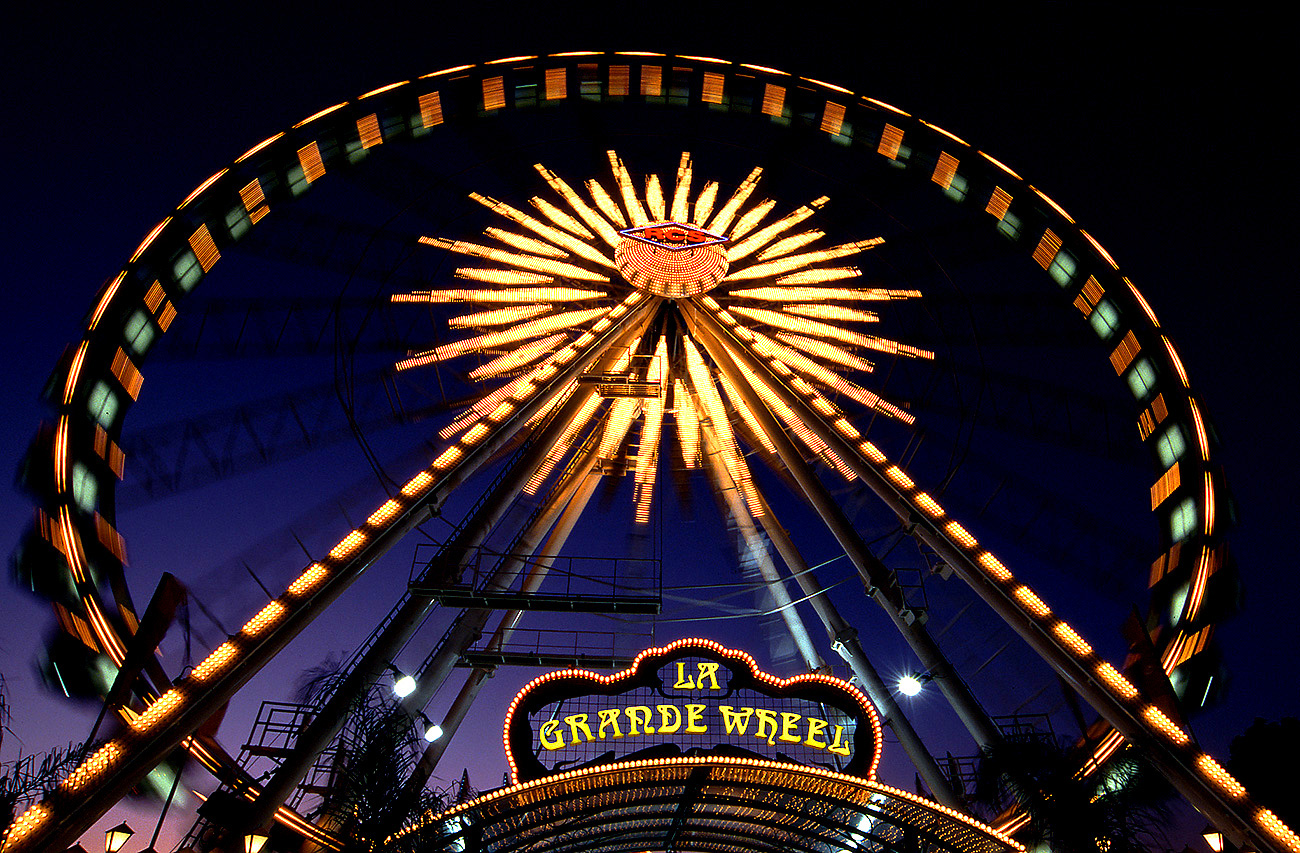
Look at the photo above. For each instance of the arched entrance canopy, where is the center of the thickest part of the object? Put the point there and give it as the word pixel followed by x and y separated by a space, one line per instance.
pixel 716 804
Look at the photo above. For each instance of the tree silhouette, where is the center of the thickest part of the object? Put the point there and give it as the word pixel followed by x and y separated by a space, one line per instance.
pixel 375 752
pixel 29 777
pixel 1119 809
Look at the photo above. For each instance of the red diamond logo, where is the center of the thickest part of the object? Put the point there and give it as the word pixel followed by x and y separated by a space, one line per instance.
pixel 673 235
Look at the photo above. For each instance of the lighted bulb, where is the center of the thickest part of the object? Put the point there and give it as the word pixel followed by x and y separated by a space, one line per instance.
pixel 404 686
pixel 909 685
pixel 433 732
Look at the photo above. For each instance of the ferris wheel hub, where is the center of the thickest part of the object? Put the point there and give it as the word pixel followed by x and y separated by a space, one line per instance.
pixel 671 259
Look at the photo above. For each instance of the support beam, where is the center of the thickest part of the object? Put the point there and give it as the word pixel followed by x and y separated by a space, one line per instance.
pixel 1178 760
pixel 844 639
pixel 722 481
pixel 468 627
pixel 573 508
pixel 879 580
pixel 66 813
pixel 447 566
pixel 327 723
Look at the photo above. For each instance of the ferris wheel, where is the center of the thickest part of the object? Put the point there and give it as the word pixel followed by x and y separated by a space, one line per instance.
pixel 922 411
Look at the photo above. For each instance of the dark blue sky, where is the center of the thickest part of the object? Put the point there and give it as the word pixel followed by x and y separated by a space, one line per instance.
pixel 1155 132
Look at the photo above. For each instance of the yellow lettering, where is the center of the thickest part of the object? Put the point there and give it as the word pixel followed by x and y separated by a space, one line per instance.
pixel 709 670
pixel 576 722
pixel 609 720
pixel 550 736
pixel 683 680
pixel 838 747
pixel 766 725
pixel 638 715
pixel 695 713
pixel 815 729
pixel 789 727
pixel 665 727
pixel 736 721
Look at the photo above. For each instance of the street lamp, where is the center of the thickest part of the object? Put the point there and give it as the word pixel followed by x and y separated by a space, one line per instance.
pixel 1213 837
pixel 116 837
pixel 254 842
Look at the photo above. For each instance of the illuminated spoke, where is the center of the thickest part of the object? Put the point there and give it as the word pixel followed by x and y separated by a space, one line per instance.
pixel 834 312
pixel 746 414
pixel 580 420
pixel 786 415
pixel 482 407
pixel 688 424
pixel 516 259
pixel 790 263
pixel 750 219
pixel 758 240
pixel 825 351
pixel 521 332
pixel 635 212
pixel 648 458
pixel 562 444
pixel 819 276
pixel 806 326
pixel 521 357
pixel 497 316
pixel 606 204
pixel 704 203
pixel 822 294
pixel 648 455
pixel 682 190
pixel 722 220
pixel 508 278
pixel 559 398
pixel 824 376
pixel 617 423
pixel 560 218
pixel 519 294
pixel 786 245
pixel 555 235
pixel 794 383
pixel 654 197
pixel 715 416
pixel 585 212
pixel 524 243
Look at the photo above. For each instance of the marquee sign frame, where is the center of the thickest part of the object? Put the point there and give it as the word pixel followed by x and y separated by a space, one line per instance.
pixel 742 674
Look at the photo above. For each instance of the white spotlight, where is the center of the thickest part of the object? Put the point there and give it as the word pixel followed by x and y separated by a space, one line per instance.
pixel 909 685
pixel 404 686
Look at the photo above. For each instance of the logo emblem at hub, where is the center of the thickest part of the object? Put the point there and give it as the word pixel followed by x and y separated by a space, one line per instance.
pixel 673 235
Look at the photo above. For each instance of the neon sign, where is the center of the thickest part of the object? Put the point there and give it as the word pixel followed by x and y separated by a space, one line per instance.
pixel 673 235
pixel 693 697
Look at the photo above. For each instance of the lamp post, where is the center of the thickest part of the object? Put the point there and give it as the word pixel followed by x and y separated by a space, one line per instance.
pixel 116 837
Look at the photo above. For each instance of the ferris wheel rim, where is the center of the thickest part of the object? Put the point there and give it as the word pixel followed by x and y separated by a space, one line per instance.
pixel 96 363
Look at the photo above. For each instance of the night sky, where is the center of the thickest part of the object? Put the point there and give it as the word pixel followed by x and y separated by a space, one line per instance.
pixel 1157 133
